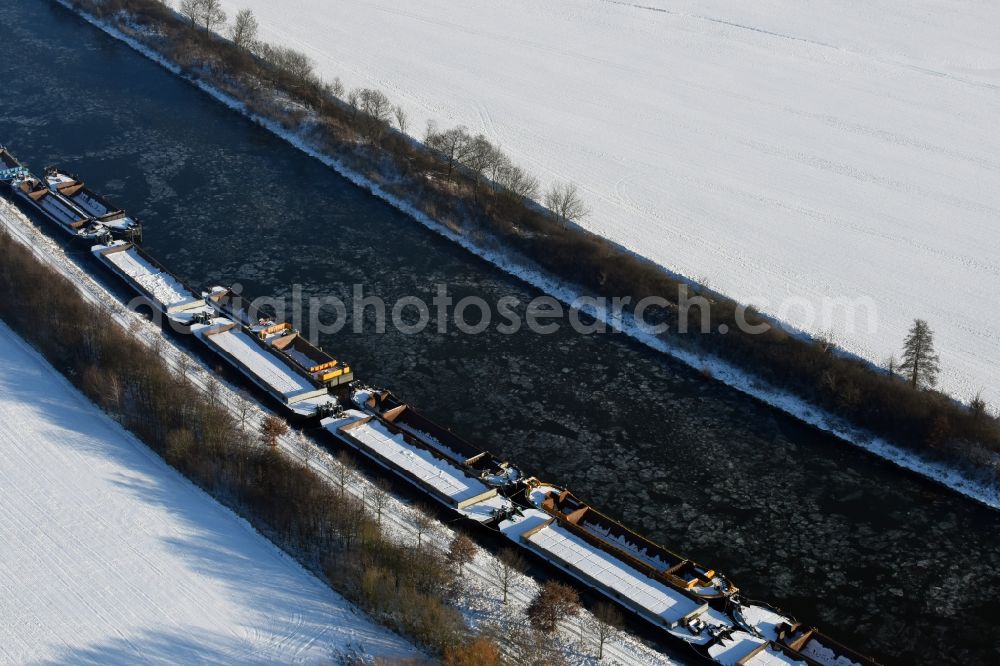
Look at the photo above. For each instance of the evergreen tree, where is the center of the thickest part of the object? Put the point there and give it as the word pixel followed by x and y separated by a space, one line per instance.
pixel 920 363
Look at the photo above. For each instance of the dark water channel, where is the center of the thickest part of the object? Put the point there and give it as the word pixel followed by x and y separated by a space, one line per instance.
pixel 892 564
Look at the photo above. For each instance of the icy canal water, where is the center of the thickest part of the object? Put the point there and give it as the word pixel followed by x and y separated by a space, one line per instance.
pixel 889 563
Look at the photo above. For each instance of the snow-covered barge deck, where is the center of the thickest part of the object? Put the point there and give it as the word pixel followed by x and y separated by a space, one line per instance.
pixel 241 349
pixel 391 448
pixel 712 632
pixel 163 291
pixel 596 528
pixel 92 204
pixel 63 201
pixel 426 433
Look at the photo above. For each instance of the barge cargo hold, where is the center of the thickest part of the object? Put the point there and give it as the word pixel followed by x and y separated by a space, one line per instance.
pixel 390 448
pixel 56 209
pixel 300 396
pixel 320 366
pixel 593 526
pixel 434 437
pixel 92 204
pixel 163 291
pixel 228 304
pixel 65 203
pixel 683 615
pixel 283 339
pixel 808 641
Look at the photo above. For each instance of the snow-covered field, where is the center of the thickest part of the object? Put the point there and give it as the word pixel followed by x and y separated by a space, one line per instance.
pixel 109 556
pixel 787 153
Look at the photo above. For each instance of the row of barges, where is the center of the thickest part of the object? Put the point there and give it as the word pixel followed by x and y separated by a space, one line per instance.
pixel 690 602
pixel 66 201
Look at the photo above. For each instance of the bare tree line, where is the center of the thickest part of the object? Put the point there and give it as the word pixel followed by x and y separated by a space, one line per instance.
pixel 479 160
pixel 206 13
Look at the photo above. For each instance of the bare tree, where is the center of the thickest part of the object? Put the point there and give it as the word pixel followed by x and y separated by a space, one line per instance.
pixel 453 144
pixel 518 182
pixel 606 621
pixel 212 391
pixel 295 66
pixel 498 168
pixel 183 366
pixel 207 13
pixel 461 551
pixel 354 101
pixel 377 110
pixel 344 472
pixel 244 30
pixel 978 406
pixel 191 10
pixel 553 603
pixel 505 568
pixel 401 120
pixel 825 341
pixel 423 523
pixel 479 156
pixel 272 428
pixel 920 363
pixel 430 131
pixel 337 88
pixel 212 14
pixel 480 651
pixel 891 365
pixel 380 499
pixel 179 445
pixel 564 201
pixel 243 405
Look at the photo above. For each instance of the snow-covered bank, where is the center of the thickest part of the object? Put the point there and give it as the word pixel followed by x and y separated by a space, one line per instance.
pixel 107 555
pixel 728 374
pixel 787 152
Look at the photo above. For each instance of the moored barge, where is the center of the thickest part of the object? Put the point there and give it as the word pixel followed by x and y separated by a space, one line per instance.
pixel 448 483
pixel 428 434
pixel 293 389
pixel 282 339
pixel 63 201
pixel 164 292
pixel 95 206
pixel 604 532
pixel 321 367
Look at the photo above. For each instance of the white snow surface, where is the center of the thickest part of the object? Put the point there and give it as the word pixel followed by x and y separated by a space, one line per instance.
pixel 824 655
pixel 769 657
pixel 729 651
pixel 109 556
pixel 256 360
pixel 164 287
pixel 657 599
pixel 784 152
pixel 439 474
